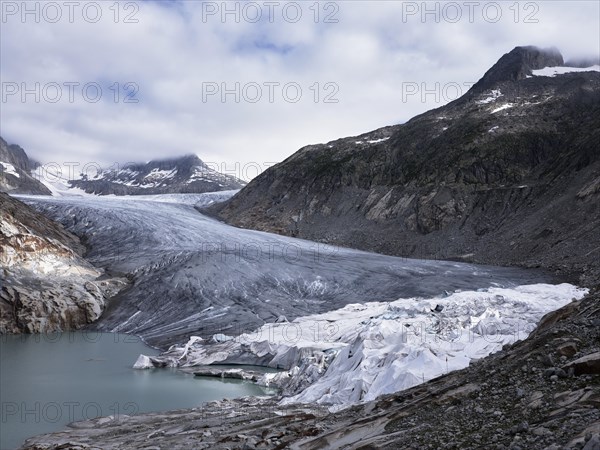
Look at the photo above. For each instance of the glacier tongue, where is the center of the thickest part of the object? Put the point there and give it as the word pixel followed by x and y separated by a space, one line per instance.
pixel 194 276
pixel 361 351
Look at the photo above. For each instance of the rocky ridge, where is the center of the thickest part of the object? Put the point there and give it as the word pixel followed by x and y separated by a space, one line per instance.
pixel 15 171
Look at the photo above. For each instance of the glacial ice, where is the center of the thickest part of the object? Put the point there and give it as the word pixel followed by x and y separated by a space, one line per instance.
pixel 194 276
pixel 360 324
pixel 361 351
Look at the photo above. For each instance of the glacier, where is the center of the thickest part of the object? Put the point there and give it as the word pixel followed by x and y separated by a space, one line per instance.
pixel 341 325
pixel 192 275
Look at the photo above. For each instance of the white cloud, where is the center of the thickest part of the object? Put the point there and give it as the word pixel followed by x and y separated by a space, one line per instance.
pixel 371 53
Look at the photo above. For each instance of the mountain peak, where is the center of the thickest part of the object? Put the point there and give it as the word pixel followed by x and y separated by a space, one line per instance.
pixel 189 157
pixel 185 162
pixel 181 174
pixel 518 64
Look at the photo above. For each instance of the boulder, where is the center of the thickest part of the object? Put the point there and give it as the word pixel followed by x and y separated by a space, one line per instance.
pixel 589 364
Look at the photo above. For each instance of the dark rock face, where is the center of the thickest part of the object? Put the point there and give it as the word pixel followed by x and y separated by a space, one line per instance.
pixel 17 178
pixel 507 174
pixel 187 174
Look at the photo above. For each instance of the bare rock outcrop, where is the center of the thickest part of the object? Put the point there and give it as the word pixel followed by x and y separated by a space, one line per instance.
pixel 46 284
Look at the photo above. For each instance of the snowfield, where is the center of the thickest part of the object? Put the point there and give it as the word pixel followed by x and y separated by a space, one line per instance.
pixel 493 95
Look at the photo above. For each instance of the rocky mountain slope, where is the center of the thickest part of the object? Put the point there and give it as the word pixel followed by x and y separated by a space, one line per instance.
pixel 15 171
pixel 46 284
pixel 507 174
pixel 187 174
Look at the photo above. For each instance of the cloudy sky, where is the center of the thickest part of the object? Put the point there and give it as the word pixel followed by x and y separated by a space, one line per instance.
pixel 245 84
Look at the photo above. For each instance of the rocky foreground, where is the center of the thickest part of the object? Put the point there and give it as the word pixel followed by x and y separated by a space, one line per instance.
pixel 540 393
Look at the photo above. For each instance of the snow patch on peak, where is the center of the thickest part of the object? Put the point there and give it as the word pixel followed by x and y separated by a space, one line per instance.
pixel 161 174
pixel 372 141
pixel 376 141
pixel 51 176
pixel 554 71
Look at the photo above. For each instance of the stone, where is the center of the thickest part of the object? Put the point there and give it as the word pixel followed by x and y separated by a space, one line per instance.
pixel 567 349
pixel 555 371
pixel 589 364
pixel 560 373
pixel 547 360
pixel 535 399
pixel 522 427
pixel 593 443
pixel 541 431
